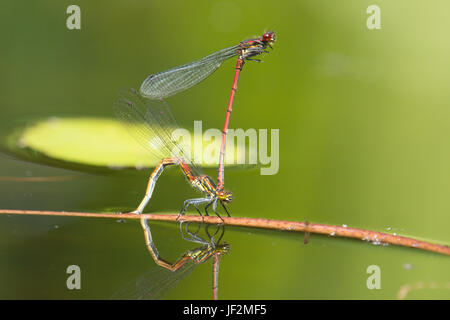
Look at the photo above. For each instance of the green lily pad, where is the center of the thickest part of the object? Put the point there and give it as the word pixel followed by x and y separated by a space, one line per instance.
pixel 97 142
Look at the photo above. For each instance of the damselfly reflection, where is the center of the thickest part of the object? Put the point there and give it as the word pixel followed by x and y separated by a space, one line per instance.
pixel 157 282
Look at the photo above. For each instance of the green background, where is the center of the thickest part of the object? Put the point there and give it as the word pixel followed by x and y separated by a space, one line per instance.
pixel 364 141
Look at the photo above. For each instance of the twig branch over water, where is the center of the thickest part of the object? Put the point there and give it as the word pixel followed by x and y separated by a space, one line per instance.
pixel 374 237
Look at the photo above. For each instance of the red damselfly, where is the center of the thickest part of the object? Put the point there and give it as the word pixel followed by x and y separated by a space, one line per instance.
pixel 167 83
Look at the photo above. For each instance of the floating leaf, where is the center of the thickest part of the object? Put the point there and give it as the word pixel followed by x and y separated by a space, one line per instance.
pixel 100 142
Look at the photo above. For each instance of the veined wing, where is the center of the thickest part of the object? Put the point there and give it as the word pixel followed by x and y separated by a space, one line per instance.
pixel 154 284
pixel 167 83
pixel 151 123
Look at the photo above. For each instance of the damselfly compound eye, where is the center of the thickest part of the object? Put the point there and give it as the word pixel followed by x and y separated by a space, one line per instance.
pixel 268 36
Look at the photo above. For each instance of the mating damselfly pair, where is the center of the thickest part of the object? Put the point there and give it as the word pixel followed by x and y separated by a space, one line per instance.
pixel 150 121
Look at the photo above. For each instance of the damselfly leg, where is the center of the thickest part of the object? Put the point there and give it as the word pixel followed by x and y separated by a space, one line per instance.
pixel 189 235
pixel 214 208
pixel 194 202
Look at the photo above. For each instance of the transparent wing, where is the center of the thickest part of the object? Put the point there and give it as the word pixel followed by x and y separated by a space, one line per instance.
pixel 167 83
pixel 151 123
pixel 154 284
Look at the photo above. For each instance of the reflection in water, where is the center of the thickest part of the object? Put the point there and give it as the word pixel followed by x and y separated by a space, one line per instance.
pixel 409 287
pixel 156 283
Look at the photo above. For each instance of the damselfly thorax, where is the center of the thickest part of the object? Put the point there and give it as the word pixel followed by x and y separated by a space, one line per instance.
pixel 254 47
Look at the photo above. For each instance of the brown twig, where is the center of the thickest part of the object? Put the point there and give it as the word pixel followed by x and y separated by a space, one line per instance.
pixel 374 237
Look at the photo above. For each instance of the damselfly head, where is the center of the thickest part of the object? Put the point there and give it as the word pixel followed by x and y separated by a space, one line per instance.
pixel 269 37
pixel 222 248
pixel 225 196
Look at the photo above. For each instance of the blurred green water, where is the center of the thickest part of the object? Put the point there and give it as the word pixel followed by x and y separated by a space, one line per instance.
pixel 364 126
